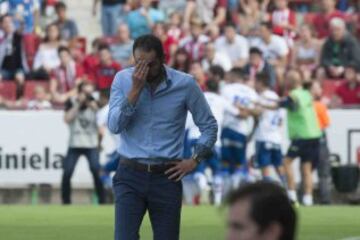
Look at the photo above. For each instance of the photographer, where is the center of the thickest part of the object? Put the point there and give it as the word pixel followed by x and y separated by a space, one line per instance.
pixel 80 115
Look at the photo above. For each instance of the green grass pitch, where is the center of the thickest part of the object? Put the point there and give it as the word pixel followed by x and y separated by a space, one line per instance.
pixel 205 222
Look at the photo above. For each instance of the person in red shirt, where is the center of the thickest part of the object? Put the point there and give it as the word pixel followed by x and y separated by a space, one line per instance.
pixel 169 42
pixel 92 59
pixel 322 19
pixel 284 21
pixel 65 77
pixel 105 71
pixel 348 93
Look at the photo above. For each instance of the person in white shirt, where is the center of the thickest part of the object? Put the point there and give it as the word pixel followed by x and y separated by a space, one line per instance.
pixel 237 129
pixel 113 157
pixel 235 46
pixel 219 107
pixel 215 57
pixel 268 135
pixel 274 48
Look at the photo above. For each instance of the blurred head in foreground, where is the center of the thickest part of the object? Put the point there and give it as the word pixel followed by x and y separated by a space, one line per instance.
pixel 260 211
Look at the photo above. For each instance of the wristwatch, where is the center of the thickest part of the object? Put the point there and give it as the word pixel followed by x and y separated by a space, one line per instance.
pixel 196 158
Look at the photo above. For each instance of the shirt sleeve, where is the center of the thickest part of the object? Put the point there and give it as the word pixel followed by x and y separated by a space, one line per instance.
pixel 121 111
pixel 203 119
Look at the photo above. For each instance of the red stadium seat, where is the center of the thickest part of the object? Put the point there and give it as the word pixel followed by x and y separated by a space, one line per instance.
pixel 31 45
pixel 30 86
pixel 330 86
pixel 8 90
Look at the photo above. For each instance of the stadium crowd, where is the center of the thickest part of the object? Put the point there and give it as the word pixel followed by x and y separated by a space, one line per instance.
pixel 270 47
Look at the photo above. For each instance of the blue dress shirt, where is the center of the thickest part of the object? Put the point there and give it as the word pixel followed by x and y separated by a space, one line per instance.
pixel 154 127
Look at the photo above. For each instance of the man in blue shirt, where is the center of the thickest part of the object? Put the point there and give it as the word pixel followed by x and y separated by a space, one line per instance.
pixel 148 108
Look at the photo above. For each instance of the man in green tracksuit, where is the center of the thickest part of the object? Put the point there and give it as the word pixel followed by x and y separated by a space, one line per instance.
pixel 304 133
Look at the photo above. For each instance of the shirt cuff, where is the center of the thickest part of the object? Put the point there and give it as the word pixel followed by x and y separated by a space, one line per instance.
pixel 127 108
pixel 203 151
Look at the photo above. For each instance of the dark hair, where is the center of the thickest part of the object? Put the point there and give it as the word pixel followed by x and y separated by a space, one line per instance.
pixel 263 78
pixel 63 49
pixel 176 65
pixel 46 38
pixel 217 70
pixel 255 50
pixel 60 6
pixel 2 18
pixel 103 46
pixel 230 24
pixel 238 72
pixel 266 24
pixel 268 204
pixel 148 43
pixel 212 85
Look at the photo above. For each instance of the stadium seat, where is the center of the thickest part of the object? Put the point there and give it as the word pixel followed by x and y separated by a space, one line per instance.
pixel 30 86
pixel 31 45
pixel 330 86
pixel 8 90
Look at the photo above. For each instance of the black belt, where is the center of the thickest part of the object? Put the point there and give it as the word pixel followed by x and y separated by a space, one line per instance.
pixel 151 168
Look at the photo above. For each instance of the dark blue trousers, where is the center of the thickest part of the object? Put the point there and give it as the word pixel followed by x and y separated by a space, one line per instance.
pixel 72 156
pixel 137 192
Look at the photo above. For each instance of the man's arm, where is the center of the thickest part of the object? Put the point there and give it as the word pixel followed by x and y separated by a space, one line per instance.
pixel 71 110
pixel 122 107
pixel 203 119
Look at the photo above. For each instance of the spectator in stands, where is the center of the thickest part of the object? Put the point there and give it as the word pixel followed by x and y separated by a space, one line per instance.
pixel 92 59
pixel 306 52
pixel 323 18
pixel 105 71
pixel 47 58
pixel 41 100
pixel 194 44
pixel 121 48
pixel 65 77
pixel 252 14
pixel 258 65
pixel 215 57
pixel 340 50
pixel 112 13
pixel 284 21
pixel 234 46
pixel 181 61
pixel 142 20
pixel 211 12
pixel 169 7
pixel 26 14
pixel 348 93
pixel 12 55
pixel 253 215
pixel 274 49
pixel 68 27
pixel 80 115
pixel 198 73
pixel 4 8
pixel 169 43
pixel 174 28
